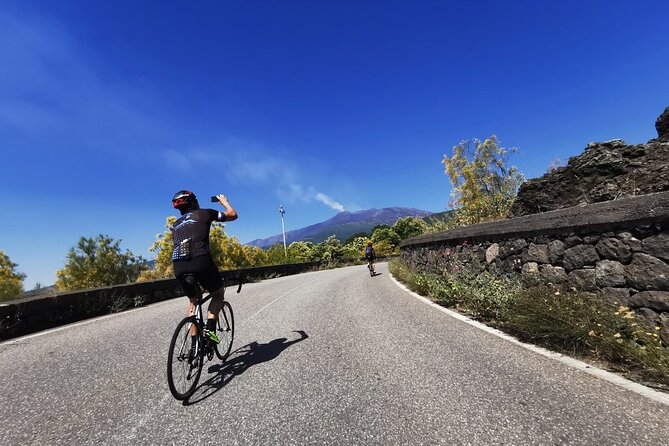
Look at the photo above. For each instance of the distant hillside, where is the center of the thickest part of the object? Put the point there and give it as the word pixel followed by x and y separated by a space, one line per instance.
pixel 343 225
pixel 439 216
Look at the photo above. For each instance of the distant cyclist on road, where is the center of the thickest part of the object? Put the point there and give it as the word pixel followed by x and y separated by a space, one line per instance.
pixel 370 255
pixel 191 255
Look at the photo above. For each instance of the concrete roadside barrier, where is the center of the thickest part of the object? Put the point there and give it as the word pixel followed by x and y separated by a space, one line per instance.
pixel 32 314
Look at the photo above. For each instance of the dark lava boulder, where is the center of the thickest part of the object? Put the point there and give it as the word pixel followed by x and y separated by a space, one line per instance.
pixel 662 126
pixel 605 171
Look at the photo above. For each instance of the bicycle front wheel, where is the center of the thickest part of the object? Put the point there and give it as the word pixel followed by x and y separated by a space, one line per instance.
pixel 225 328
pixel 184 365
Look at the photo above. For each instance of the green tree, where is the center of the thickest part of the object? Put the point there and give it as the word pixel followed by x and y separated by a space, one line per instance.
pixel 356 236
pixel 276 255
pixel 162 247
pixel 257 256
pixel 11 281
pixel 328 252
pixel 227 252
pixel 299 252
pixel 388 236
pixel 484 186
pixel 379 226
pixel 383 248
pixel 97 262
pixel 442 221
pixel 407 227
pixel 355 249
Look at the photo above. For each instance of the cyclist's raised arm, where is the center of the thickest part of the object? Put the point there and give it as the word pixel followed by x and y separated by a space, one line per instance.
pixel 230 213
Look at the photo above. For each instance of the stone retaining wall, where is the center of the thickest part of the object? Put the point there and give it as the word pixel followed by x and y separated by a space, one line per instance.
pixel 618 249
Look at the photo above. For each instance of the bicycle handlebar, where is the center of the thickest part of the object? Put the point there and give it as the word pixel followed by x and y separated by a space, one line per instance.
pixel 239 280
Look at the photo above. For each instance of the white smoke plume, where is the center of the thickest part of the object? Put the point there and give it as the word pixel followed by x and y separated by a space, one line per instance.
pixel 251 163
pixel 329 201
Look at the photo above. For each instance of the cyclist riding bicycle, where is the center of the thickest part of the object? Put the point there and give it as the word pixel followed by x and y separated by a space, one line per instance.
pixel 370 255
pixel 191 255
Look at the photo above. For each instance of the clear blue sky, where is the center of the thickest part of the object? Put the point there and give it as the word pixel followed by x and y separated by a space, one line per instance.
pixel 108 108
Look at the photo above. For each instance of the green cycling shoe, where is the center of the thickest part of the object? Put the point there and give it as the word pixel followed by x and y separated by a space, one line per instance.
pixel 212 336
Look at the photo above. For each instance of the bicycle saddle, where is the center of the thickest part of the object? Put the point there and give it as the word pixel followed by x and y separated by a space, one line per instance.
pixel 190 279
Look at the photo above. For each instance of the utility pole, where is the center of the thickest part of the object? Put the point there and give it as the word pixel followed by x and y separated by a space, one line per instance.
pixel 283 230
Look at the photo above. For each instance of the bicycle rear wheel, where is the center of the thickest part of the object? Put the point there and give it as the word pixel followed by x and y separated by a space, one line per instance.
pixel 225 328
pixel 183 370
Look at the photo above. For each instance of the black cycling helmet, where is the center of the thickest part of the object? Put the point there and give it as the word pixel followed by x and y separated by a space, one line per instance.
pixel 185 200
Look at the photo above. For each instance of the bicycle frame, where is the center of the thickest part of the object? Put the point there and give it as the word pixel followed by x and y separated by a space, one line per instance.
pixel 197 312
pixel 197 306
pixel 180 359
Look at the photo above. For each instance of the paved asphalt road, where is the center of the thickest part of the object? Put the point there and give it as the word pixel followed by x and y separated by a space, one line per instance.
pixel 331 357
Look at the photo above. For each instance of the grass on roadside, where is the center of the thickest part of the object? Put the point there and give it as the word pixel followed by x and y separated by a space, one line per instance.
pixel 568 322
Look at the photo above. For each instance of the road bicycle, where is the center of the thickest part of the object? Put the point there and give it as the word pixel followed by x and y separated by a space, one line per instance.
pixel 184 364
pixel 370 267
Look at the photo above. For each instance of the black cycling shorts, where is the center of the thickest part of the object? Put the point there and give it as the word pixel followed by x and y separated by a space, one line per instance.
pixel 203 269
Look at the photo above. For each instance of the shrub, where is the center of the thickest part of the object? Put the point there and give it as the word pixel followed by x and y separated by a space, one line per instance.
pixel 574 323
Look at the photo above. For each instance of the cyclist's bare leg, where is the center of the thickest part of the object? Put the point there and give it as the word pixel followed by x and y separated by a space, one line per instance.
pixel 191 309
pixel 217 299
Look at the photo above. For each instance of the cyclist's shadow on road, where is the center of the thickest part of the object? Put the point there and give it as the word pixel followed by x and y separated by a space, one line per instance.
pixel 240 361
